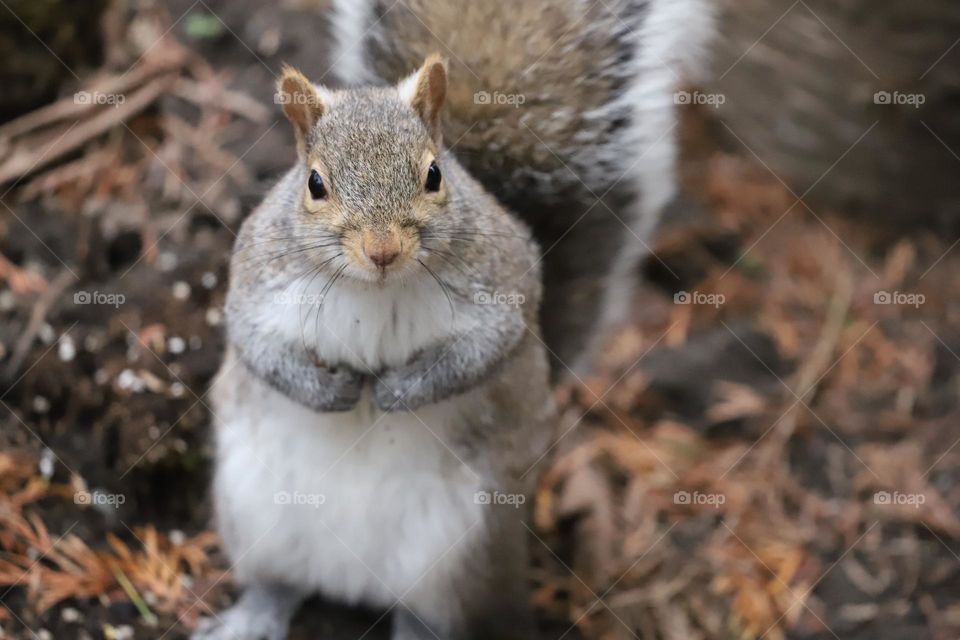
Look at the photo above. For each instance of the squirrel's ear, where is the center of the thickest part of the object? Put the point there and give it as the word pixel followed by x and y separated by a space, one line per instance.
pixel 302 104
pixel 425 91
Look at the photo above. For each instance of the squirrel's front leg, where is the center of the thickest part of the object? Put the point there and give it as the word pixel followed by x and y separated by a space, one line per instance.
pixel 289 367
pixel 453 365
pixel 306 381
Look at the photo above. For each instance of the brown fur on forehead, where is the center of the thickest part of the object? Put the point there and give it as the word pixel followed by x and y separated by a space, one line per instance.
pixel 371 144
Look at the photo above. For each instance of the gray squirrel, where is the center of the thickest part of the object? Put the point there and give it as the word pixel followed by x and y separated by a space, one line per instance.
pixel 385 397
pixel 385 394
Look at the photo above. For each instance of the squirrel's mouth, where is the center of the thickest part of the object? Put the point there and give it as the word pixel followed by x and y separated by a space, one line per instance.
pixel 380 255
pixel 366 271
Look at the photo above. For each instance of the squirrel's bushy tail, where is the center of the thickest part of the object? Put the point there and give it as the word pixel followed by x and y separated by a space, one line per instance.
pixel 563 109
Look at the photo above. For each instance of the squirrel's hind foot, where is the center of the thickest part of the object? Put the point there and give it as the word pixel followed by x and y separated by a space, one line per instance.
pixel 262 613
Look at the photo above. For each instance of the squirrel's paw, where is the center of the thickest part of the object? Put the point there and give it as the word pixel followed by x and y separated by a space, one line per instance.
pixel 394 392
pixel 342 387
pixel 241 623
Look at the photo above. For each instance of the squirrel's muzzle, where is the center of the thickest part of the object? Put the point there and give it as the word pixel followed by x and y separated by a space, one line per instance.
pixel 382 249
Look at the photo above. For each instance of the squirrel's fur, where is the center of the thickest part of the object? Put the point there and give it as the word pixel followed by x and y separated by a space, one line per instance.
pixel 363 412
pixel 587 160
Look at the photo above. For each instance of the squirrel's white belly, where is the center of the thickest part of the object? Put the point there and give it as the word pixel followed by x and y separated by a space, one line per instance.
pixel 361 506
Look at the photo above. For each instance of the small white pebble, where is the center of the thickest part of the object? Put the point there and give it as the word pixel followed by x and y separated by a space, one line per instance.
pixel 101 376
pixel 47 463
pixel 214 317
pixel 269 42
pixel 177 537
pixel 153 432
pixel 196 343
pixel 41 404
pixel 66 349
pixel 69 614
pixel 176 344
pixel 181 290
pixel 92 342
pixel 47 334
pixel 208 280
pixel 7 300
pixel 129 381
pixel 167 261
pixel 177 390
pixel 43 634
pixel 122 632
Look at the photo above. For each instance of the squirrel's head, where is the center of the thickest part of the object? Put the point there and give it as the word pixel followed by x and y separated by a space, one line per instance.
pixel 369 168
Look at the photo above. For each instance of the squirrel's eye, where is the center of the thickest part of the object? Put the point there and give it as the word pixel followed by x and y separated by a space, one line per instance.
pixel 433 177
pixel 315 184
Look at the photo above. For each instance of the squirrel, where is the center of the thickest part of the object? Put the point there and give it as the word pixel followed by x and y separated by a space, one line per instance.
pixel 566 111
pixel 385 398
pixel 385 394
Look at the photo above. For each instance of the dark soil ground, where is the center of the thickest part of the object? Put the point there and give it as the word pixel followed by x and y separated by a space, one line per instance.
pixel 775 460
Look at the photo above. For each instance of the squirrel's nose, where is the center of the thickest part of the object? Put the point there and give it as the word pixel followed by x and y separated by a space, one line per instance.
pixel 382 251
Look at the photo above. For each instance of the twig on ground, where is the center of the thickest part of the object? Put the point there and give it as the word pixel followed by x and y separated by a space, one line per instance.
pixel 207 94
pixel 819 361
pixel 37 317
pixel 20 280
pixel 34 152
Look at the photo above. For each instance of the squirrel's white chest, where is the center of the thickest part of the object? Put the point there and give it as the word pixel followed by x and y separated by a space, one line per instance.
pixel 359 505
pixel 365 326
